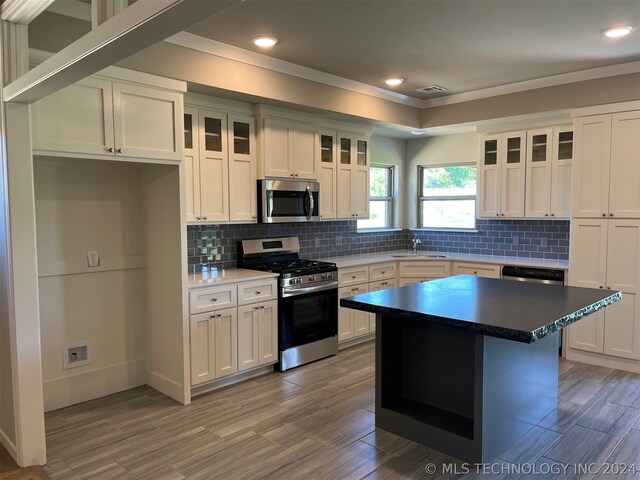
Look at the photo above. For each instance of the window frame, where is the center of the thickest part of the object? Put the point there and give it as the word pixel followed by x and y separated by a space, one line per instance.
pixel 422 199
pixel 389 198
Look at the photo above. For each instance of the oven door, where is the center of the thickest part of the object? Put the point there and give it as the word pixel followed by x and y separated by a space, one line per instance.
pixel 289 201
pixel 307 317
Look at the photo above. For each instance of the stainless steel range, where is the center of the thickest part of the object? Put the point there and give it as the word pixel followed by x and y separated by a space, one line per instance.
pixel 307 299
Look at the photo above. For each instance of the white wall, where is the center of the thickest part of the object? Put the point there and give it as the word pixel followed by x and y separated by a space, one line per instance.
pixel 391 151
pixel 80 206
pixel 438 150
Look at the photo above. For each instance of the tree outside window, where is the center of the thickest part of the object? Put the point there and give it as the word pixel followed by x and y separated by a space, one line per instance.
pixel 448 196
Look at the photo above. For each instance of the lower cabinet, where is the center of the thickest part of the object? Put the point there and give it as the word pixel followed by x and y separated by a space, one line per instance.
pixel 477 269
pixel 352 323
pixel 213 345
pixel 417 272
pixel 376 287
pixel 257 335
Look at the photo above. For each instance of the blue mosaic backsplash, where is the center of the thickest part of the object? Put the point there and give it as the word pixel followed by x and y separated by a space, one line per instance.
pixel 216 246
pixel 547 239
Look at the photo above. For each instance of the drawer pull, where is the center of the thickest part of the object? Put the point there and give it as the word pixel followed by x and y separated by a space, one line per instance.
pixel 475 273
pixel 355 289
pixel 216 315
pixel 353 277
pixel 383 272
pixel 262 306
pixel 258 293
pixel 384 283
pixel 214 300
pixel 256 307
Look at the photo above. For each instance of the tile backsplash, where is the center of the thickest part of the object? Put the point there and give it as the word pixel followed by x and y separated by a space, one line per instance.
pixel 217 245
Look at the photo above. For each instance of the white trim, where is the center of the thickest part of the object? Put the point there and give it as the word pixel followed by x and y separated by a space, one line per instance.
pixel 169 387
pixel 602 360
pixel 72 8
pixel 231 380
pixel 53 154
pixel 564 78
pixel 8 445
pixel 23 11
pixel 75 267
pixel 223 50
pixel 603 109
pixel 145 79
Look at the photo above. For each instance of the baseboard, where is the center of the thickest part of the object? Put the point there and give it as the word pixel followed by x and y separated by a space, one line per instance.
pixel 603 360
pixel 167 386
pixel 231 380
pixel 8 445
pixel 356 341
pixel 65 391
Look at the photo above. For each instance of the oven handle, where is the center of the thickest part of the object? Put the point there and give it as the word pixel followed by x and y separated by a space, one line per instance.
pixel 293 291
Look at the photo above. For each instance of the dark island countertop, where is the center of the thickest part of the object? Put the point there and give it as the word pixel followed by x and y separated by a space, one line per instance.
pixel 519 311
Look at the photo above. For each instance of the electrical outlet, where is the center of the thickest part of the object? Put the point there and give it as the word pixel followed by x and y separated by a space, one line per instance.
pixel 76 355
pixel 338 240
pixel 516 240
pixel 544 242
pixel 93 258
pixel 317 242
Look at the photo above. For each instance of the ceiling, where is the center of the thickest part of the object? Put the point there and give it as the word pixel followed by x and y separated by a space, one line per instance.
pixel 462 45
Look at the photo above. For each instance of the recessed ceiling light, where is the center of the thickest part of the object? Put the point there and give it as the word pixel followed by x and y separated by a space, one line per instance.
pixel 417 132
pixel 265 42
pixel 393 81
pixel 617 31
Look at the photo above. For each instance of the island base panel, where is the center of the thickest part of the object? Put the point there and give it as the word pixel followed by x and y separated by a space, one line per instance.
pixel 461 393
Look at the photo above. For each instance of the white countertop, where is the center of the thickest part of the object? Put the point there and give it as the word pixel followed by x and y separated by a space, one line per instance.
pixel 231 275
pixel 367 258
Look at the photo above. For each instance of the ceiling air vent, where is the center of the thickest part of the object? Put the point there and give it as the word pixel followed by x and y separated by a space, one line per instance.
pixel 431 90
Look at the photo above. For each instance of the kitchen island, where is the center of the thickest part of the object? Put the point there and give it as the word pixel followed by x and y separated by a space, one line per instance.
pixel 467 365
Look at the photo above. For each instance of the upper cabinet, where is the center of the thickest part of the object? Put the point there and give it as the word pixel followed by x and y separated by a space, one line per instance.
pixel 352 176
pixel 501 172
pixel 220 166
pixel 607 166
pixel 548 178
pixel 326 168
pixel 100 118
pixel 289 149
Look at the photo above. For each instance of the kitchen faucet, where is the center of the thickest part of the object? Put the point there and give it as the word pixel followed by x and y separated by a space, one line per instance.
pixel 414 244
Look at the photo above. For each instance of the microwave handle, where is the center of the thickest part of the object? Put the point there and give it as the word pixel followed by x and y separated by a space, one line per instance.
pixel 269 203
pixel 311 205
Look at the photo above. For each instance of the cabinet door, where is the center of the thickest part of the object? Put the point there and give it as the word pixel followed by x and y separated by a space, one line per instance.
pixel 214 166
pixel 489 177
pixel 202 347
pixel 561 167
pixel 277 146
pixel 243 173
pixel 375 287
pixel 360 188
pixel 512 183
pixel 590 181
pixel 326 169
pixel 226 342
pixel 78 119
pixel 191 164
pixel 477 269
pixel 587 268
pixel 305 150
pixel 538 177
pixel 345 180
pixel 147 122
pixel 624 194
pixel 622 319
pixel 268 329
pixel 361 319
pixel 345 317
pixel 248 337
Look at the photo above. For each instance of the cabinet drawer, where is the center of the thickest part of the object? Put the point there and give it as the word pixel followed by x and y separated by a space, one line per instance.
pixel 209 299
pixel 257 292
pixel 382 271
pixel 428 270
pixel 351 291
pixel 477 269
pixel 353 276
pixel 383 285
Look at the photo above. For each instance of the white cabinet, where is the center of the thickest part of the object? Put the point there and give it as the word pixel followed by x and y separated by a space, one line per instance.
pixel 289 148
pixel 326 168
pixel 561 171
pixel 213 345
pixel 415 272
pixel 352 323
pixel 257 335
pixel 352 177
pixel 606 254
pixel 607 166
pixel 382 271
pixel 112 120
pixel 501 170
pixel 220 166
pixel 376 287
pixel 477 269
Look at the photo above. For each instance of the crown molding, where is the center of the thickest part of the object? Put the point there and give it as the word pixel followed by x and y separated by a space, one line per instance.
pixel 572 77
pixel 212 47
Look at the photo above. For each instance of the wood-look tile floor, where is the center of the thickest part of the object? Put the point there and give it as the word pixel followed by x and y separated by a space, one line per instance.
pixel 317 422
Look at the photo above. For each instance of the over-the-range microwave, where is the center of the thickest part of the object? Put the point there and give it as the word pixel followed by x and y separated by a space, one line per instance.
pixel 288 201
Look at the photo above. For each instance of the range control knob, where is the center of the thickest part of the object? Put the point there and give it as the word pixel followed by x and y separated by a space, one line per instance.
pixel 312 278
pixel 298 280
pixel 324 276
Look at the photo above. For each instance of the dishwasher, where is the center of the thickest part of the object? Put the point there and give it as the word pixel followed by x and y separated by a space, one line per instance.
pixel 536 275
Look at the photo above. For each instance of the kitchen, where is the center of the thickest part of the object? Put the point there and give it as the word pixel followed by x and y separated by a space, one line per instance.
pixel 141 218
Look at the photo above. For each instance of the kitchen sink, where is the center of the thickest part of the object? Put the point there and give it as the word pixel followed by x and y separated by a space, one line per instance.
pixel 417 255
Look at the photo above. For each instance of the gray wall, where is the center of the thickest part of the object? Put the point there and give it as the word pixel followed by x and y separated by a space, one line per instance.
pixel 391 151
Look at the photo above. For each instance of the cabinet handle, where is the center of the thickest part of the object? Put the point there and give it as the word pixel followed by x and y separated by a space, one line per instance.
pixel 601 287
pixel 255 217
pixel 204 218
pixel 611 214
pixel 353 277
pixel 256 307
pixel 355 289
pixel 296 175
pixel 553 214
pixel 608 288
pixel 257 293
pixel 546 214
pixel 382 272
pixel 357 214
pixel 198 218
pixel 262 306
pixel 384 283
pixel 291 174
pixel 214 300
pixel 119 150
pixel 110 149
pixel 497 214
pixel 212 316
pixel 502 214
pixel 604 214
pixel 475 273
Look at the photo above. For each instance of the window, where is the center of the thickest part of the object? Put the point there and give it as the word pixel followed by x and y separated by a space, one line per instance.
pixel 448 197
pixel 380 198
